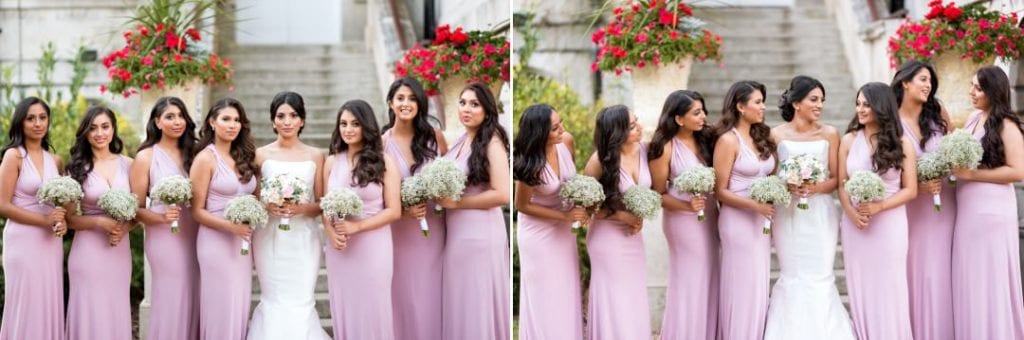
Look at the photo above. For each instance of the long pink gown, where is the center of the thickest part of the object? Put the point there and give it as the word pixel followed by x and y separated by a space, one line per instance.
pixel 691 304
pixel 33 262
pixel 618 307
pixel 549 289
pixel 746 254
pixel 359 276
pixel 100 275
pixel 930 255
pixel 476 294
pixel 225 275
pixel 416 283
pixel 174 304
pixel 987 302
pixel 876 259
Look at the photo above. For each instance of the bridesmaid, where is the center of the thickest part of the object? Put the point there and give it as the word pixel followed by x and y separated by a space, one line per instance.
pixel 744 151
pixel 930 248
pixel 549 293
pixel 223 168
pixel 986 264
pixel 475 295
pixel 33 258
pixel 874 234
pixel 684 140
pixel 360 260
pixel 416 284
pixel 617 307
pixel 99 264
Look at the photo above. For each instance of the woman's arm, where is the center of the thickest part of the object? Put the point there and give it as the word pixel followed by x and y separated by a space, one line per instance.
pixel 201 175
pixel 660 172
pixel 392 204
pixel 726 151
pixel 859 220
pixel 139 175
pixel 1013 152
pixel 9 172
pixel 908 184
pixel 497 195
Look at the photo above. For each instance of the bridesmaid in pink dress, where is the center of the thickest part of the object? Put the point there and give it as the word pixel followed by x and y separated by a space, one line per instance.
pixel 167 151
pixel 874 234
pixel 617 302
pixel 416 284
pixel 682 141
pixel 33 255
pixel 930 255
pixel 987 301
pixel 549 290
pixel 100 261
pixel 475 295
pixel 223 169
pixel 744 152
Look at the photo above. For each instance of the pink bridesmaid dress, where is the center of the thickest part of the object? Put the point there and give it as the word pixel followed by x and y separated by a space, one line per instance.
pixel 416 283
pixel 987 301
pixel 174 306
pixel 876 259
pixel 930 255
pixel 691 303
pixel 100 275
pixel 225 274
pixel 33 263
pixel 475 296
pixel 746 254
pixel 618 307
pixel 359 276
pixel 549 289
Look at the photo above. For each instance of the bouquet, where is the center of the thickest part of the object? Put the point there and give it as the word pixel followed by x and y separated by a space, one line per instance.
pixel 245 210
pixel 642 202
pixel 696 181
pixel 865 186
pixel 340 203
pixel 803 169
pixel 58 192
pixel 119 204
pixel 284 188
pixel 582 191
pixel 931 167
pixel 961 150
pixel 770 190
pixel 172 191
pixel 414 193
pixel 441 178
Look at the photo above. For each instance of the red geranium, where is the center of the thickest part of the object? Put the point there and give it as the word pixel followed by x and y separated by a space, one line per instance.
pixel 474 55
pixel 652 32
pixel 973 32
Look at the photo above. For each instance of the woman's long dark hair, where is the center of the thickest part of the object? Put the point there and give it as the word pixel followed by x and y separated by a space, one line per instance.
pixel 679 103
pixel 490 127
pixel 292 99
pixel 996 86
pixel 610 134
pixel 799 88
pixel 369 167
pixel 739 93
pixel 531 144
pixel 187 141
pixel 888 144
pixel 243 148
pixel 82 161
pixel 424 141
pixel 16 135
pixel 930 121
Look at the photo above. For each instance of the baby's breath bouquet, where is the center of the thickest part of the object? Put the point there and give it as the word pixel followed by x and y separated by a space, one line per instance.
pixel 443 179
pixel 582 191
pixel 642 202
pixel 803 169
pixel 932 167
pixel 415 193
pixel 865 186
pixel 58 192
pixel 340 203
pixel 961 150
pixel 172 191
pixel 284 188
pixel 245 210
pixel 119 204
pixel 770 190
pixel 696 181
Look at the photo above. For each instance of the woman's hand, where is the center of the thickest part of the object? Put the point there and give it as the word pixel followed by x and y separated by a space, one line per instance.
pixel 172 214
pixel 418 211
pixel 930 187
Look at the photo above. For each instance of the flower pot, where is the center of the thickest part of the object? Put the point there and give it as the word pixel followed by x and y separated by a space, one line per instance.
pixel 955 76
pixel 191 94
pixel 652 84
pixel 451 87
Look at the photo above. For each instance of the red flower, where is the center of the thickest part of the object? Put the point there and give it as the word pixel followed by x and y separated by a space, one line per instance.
pixel 177 58
pixel 673 35
pixel 593 67
pixel 441 34
pixel 103 89
pixel 984 24
pixel 459 37
pixel 192 32
pixel 147 61
pixel 488 63
pixel 466 59
pixel 952 12
pixel 983 38
pixel 159 27
pixel 617 11
pixel 618 52
pixel 128 36
pixel 667 18
pixel 490 49
pixel 641 37
pixel 934 13
pixel 640 64
pixel 597 36
pixel 173 41
pixel 143 31
pixel 146 87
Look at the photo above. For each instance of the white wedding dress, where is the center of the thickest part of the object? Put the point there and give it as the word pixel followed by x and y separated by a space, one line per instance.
pixel 287 263
pixel 804 302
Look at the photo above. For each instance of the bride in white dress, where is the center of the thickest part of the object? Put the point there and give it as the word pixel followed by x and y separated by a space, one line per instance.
pixel 805 303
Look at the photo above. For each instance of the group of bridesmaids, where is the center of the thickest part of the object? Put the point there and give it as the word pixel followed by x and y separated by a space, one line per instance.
pixel 911 272
pixel 396 284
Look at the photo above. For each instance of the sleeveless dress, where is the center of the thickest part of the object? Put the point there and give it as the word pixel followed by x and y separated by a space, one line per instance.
pixel 617 304
pixel 174 304
pixel 987 299
pixel 549 289
pixel 876 259
pixel 746 254
pixel 99 274
pixel 33 263
pixel 691 303
pixel 360 275
pixel 225 275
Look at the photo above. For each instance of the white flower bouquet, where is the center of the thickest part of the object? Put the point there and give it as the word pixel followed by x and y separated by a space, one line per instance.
pixel 696 181
pixel 442 178
pixel 865 186
pixel 58 192
pixel 172 191
pixel 415 193
pixel 932 167
pixel 340 203
pixel 245 210
pixel 582 191
pixel 803 169
pixel 284 188
pixel 961 150
pixel 770 190
pixel 119 204
pixel 642 202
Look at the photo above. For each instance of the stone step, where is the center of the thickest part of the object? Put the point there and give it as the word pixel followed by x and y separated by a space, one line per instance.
pixel 285 65
pixel 355 47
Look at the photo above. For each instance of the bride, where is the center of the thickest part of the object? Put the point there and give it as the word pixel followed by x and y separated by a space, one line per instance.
pixel 805 303
pixel 287 261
